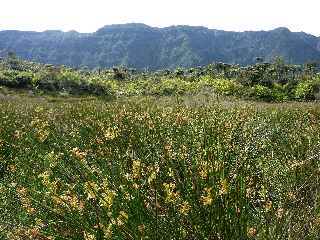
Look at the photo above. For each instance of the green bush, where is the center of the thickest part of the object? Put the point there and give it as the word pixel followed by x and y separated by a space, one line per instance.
pixel 305 90
pixel 24 79
pixel 262 93
pixel 226 86
pixel 279 92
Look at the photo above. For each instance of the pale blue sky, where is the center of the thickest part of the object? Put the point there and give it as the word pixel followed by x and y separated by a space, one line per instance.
pixel 88 16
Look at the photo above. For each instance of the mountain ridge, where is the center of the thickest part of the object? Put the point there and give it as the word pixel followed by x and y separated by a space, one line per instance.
pixel 141 46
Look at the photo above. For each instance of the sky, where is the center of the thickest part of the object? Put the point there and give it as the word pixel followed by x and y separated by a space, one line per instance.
pixel 88 16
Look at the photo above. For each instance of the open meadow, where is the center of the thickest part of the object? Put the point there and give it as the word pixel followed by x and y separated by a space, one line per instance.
pixel 158 168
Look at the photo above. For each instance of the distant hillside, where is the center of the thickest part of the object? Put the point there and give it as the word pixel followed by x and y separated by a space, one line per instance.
pixel 141 46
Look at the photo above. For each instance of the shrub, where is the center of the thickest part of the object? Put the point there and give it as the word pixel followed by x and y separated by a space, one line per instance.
pixel 24 79
pixel 279 92
pixel 226 87
pixel 305 90
pixel 262 93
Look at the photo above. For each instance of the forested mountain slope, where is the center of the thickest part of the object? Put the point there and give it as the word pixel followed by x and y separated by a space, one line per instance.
pixel 141 46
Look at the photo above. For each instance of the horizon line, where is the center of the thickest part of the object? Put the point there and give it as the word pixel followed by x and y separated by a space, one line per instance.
pixel 156 27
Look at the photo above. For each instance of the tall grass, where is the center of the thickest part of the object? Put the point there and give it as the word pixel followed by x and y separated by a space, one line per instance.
pixel 147 168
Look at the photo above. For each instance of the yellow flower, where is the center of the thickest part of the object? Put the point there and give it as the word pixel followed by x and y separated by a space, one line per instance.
pixel 39 222
pixel 107 231
pixel 88 236
pixel 90 188
pixel 42 135
pixel 280 213
pixel 268 205
pixel 152 177
pixel 252 232
pixel 122 218
pixel 207 199
pixel 291 196
pixel 184 208
pixel 52 158
pixel 111 133
pixel 203 169
pixel 12 168
pixel 25 201
pixel 39 109
pixel 17 134
pixel 141 228
pixel 168 149
pixel 78 154
pixel 71 199
pixel 136 169
pixel 171 194
pixel 223 187
pixel 107 198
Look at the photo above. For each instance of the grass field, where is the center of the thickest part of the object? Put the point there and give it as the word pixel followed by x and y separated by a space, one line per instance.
pixel 158 168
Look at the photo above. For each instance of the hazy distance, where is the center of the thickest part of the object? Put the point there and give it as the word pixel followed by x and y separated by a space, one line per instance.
pixel 232 15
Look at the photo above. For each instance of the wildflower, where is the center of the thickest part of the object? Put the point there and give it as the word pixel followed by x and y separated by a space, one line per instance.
pixel 39 223
pixel 291 196
pixel 90 188
pixel 128 197
pixel 99 141
pixel 203 170
pixel 168 149
pixel 184 208
pixel 52 186
pixel 268 205
pixel 249 192
pixel 136 169
pixel 280 213
pixel 107 198
pixel 122 218
pixel 72 201
pixel 42 135
pixel 34 232
pixel 180 119
pixel 17 134
pixel 39 109
pixel 252 232
pixel 223 187
pixel 78 154
pixel 110 133
pixel 206 199
pixel 170 173
pixel 52 158
pixel 25 201
pixel 12 168
pixel 141 228
pixel 152 177
pixel 88 236
pixel 127 176
pixel 107 231
pixel 171 194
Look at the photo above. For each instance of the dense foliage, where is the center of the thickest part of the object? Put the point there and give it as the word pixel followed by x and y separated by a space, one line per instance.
pixel 141 46
pixel 147 168
pixel 275 81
